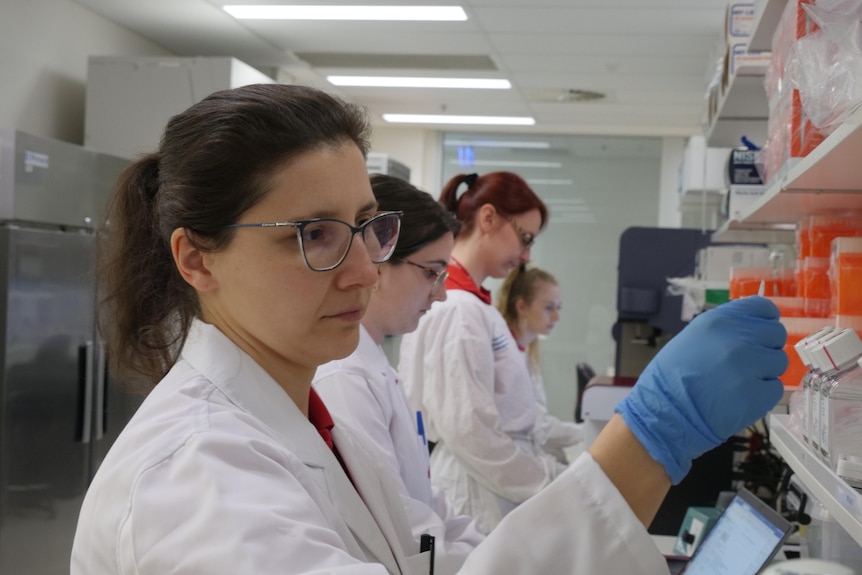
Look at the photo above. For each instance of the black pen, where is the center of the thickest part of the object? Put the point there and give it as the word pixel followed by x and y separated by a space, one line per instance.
pixel 426 543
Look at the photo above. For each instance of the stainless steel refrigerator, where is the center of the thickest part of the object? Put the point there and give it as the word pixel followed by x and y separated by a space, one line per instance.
pixel 60 409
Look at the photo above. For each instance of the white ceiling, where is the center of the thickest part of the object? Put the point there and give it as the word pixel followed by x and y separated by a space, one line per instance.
pixel 650 57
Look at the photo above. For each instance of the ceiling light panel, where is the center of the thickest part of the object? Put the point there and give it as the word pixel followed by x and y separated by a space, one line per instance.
pixel 531 145
pixel 512 164
pixel 439 63
pixel 451 119
pixel 417 82
pixel 378 13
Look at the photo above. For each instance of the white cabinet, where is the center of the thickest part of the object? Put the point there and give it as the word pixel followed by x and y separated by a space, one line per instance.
pixel 131 98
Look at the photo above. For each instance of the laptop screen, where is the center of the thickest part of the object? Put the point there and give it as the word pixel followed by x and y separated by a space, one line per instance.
pixel 746 536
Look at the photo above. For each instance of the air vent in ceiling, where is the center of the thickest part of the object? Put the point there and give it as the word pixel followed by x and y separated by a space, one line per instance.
pixel 567 95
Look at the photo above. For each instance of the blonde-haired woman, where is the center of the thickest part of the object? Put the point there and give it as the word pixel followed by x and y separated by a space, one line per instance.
pixel 529 300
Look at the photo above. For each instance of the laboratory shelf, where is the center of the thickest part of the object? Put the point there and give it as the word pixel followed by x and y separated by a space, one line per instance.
pixel 826 181
pixel 767 13
pixel 742 110
pixel 736 232
pixel 841 500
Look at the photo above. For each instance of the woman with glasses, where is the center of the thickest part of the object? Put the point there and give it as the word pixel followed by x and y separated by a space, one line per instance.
pixel 529 301
pixel 462 367
pixel 239 257
pixel 364 391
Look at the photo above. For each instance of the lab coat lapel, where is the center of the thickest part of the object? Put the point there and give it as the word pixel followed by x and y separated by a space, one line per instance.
pixel 250 387
pixel 381 498
pixel 357 512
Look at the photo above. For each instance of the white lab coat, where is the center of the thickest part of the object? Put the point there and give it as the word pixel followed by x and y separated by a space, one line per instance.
pixel 554 435
pixel 220 473
pixel 363 392
pixel 463 369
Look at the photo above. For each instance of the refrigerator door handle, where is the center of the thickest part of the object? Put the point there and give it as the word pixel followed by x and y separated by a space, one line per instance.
pixel 100 383
pixel 85 391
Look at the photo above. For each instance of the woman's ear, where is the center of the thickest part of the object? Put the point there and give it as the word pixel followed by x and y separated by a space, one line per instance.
pixel 520 306
pixel 485 218
pixel 382 269
pixel 191 262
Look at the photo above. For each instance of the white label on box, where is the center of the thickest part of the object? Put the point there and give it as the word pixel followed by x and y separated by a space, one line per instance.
pixel 740 19
pixel 35 160
pixel 739 198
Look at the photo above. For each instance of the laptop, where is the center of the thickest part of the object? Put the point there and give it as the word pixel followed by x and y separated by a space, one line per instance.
pixel 744 539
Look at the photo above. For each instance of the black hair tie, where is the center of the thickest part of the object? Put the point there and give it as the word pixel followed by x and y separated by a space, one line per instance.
pixel 469 179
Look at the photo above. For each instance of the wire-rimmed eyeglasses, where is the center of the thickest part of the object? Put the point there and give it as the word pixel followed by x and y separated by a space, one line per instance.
pixel 526 237
pixel 437 276
pixel 324 242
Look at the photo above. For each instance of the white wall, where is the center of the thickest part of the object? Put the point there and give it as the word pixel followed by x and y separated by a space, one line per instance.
pixel 44 47
pixel 672 153
pixel 417 148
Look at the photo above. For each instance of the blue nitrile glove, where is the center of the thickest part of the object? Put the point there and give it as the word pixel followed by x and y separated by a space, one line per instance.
pixel 714 378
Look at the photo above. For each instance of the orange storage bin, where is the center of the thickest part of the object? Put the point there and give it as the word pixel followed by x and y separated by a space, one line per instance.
pixel 815 278
pixel 845 277
pixel 746 281
pixel 797 329
pixel 823 229
pixel 803 248
pixel 789 306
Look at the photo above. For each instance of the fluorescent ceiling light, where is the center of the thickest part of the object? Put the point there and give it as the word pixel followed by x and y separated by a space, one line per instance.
pixel 406 82
pixel 287 12
pixel 447 119
pixel 541 182
pixel 499 144
pixel 512 163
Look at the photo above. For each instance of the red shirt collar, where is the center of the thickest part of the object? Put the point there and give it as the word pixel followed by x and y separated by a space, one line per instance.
pixel 515 337
pixel 460 279
pixel 319 417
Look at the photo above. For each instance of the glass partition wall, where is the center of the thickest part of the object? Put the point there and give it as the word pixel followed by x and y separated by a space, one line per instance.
pixel 595 187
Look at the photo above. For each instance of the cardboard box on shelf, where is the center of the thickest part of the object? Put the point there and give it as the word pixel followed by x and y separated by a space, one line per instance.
pixel 739 21
pixel 714 262
pixel 740 197
pixel 749 63
pixel 703 167
pixel 742 167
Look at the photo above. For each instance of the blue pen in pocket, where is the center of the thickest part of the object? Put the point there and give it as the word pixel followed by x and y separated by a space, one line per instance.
pixel 420 427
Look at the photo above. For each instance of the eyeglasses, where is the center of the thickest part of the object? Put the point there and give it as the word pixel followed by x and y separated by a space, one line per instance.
pixel 324 242
pixel 526 237
pixel 438 276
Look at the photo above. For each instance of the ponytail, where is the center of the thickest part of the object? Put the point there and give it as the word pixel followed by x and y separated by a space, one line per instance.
pixel 140 284
pixel 508 192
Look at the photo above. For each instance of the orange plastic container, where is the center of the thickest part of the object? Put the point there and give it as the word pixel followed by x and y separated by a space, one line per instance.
pixel 746 281
pixel 784 283
pixel 823 229
pixel 803 248
pixel 780 282
pixel 845 277
pixel 815 286
pixel 797 329
pixel 789 306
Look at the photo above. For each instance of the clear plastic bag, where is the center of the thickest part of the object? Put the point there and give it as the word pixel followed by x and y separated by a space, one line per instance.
pixel 826 65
